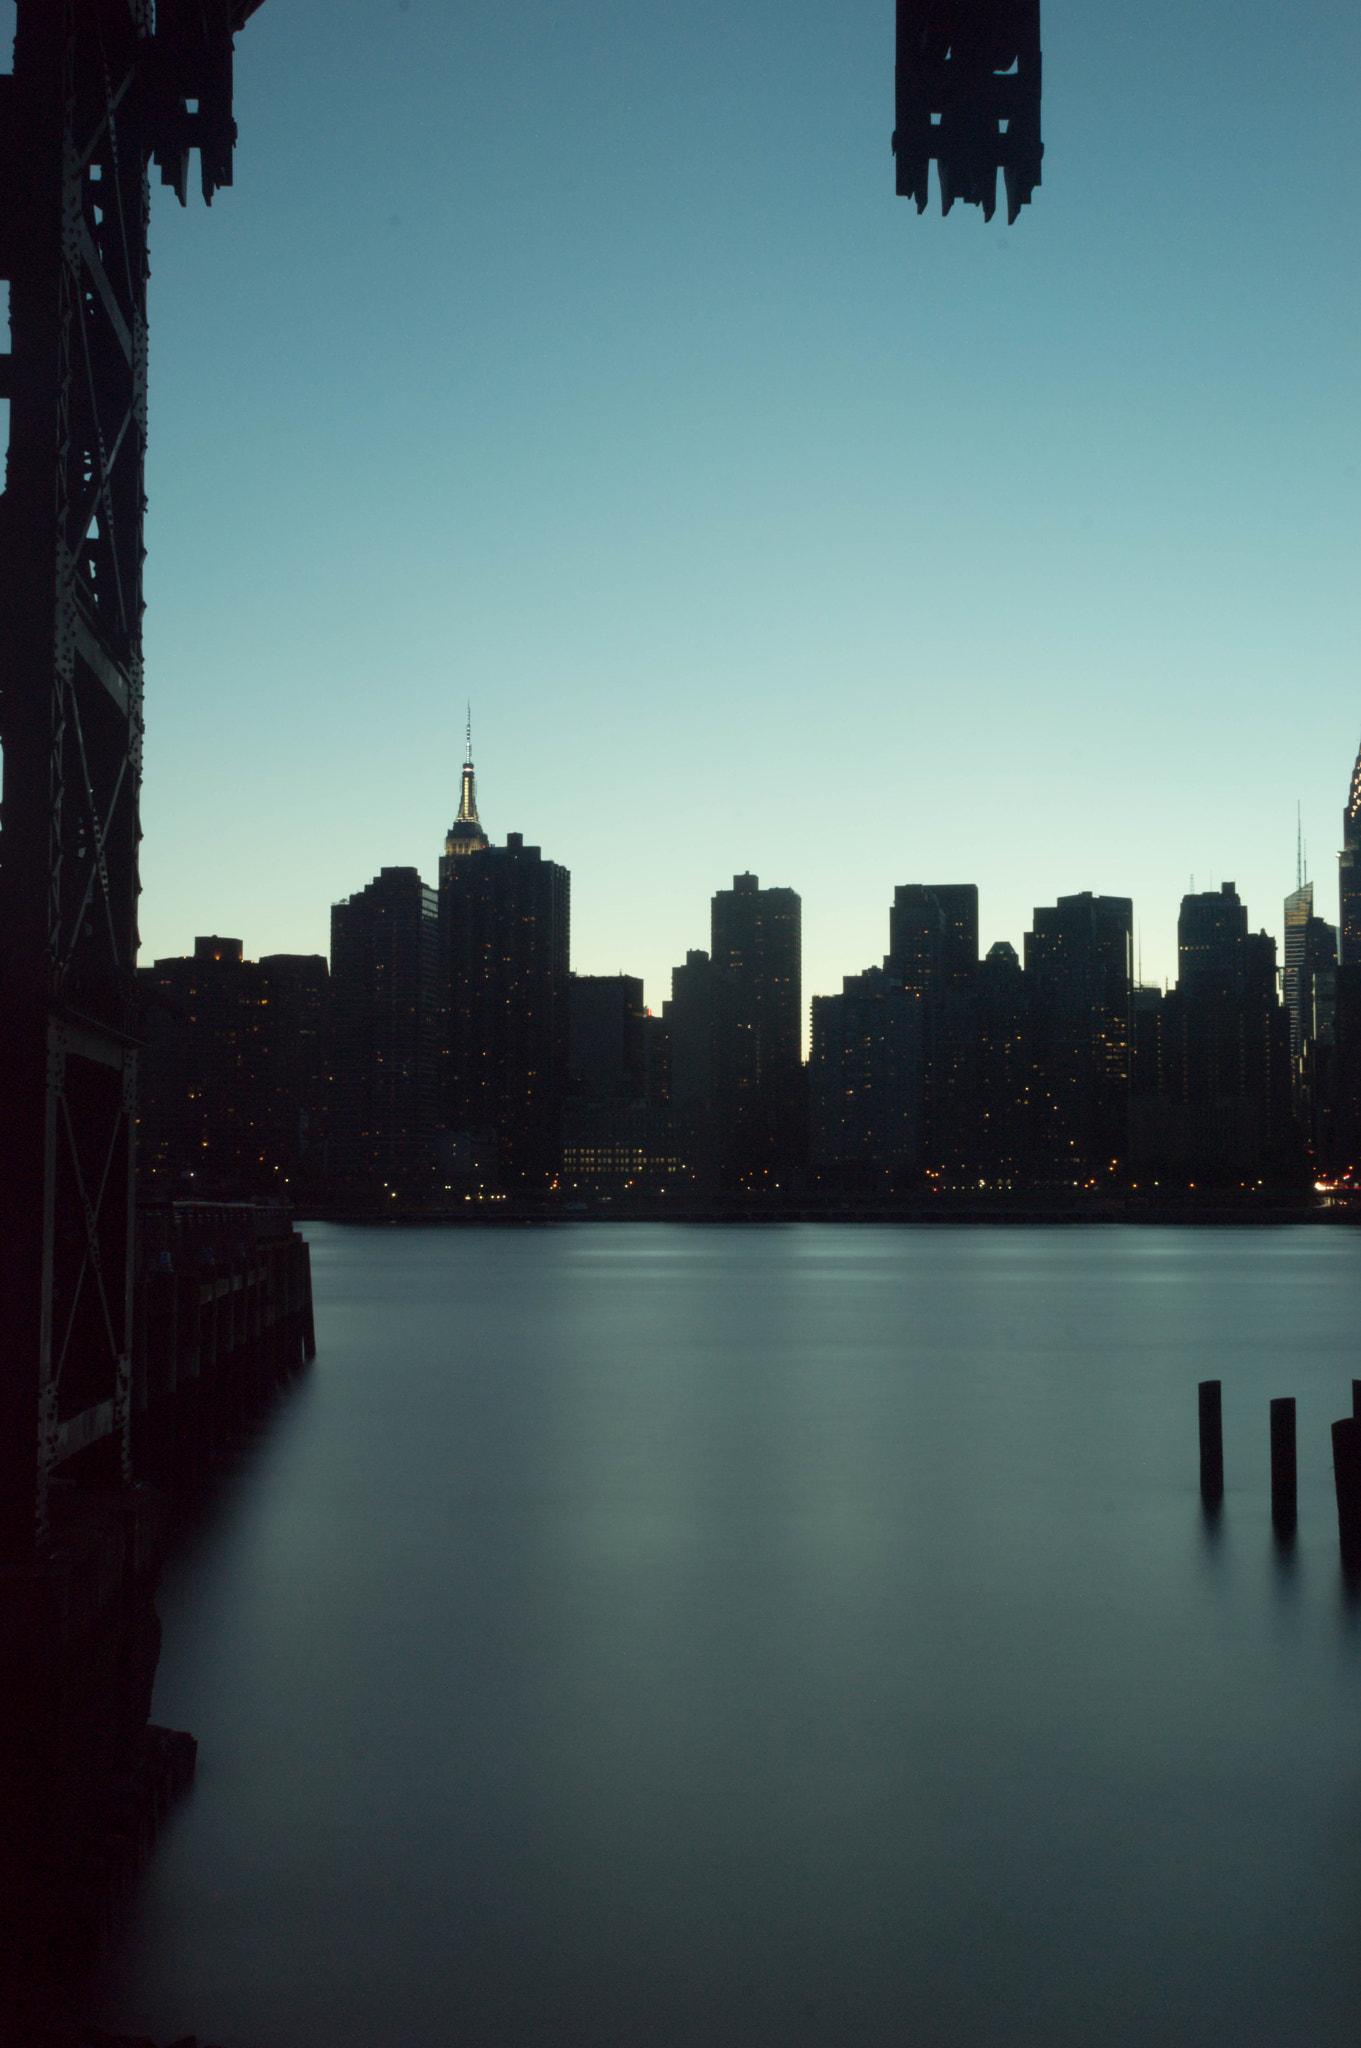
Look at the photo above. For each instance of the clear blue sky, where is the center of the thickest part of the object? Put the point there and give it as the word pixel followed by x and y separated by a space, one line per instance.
pixel 580 360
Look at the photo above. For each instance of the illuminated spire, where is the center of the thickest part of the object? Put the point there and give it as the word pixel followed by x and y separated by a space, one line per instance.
pixel 465 835
pixel 1351 823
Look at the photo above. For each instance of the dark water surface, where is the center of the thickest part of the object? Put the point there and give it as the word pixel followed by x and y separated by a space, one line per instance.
pixel 780 1635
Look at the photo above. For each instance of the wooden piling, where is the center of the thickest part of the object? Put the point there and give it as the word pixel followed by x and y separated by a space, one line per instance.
pixel 1211 1444
pixel 309 1335
pixel 1347 1478
pixel 1283 1464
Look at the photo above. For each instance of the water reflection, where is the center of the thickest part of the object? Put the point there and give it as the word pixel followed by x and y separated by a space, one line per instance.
pixel 645 1634
pixel 1212 1526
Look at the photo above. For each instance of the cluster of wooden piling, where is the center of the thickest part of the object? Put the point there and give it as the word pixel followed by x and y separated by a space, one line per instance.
pixel 1346 1466
pixel 223 1305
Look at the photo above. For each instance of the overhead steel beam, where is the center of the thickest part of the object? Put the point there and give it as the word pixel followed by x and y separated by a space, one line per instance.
pixel 968 96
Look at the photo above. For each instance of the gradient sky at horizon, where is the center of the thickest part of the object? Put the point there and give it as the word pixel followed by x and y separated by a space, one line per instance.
pixel 579 360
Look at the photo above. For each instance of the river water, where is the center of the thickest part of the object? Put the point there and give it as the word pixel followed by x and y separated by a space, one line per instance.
pixel 662 1634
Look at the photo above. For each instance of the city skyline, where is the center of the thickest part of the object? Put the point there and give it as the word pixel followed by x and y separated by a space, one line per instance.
pixel 766 523
pixel 467 833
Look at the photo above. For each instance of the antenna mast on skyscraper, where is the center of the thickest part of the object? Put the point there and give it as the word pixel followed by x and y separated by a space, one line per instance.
pixel 469 755
pixel 1299 849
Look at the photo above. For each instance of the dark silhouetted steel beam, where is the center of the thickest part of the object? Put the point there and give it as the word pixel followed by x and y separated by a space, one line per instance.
pixel 967 94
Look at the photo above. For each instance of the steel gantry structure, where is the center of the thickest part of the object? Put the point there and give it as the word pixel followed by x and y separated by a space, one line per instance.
pixel 99 89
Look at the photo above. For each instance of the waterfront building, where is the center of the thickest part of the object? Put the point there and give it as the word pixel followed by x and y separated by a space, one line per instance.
pixel 933 949
pixel 917 941
pixel 634 1146
pixel 620 1129
pixel 657 1059
pixel 1299 908
pixel 1211 1085
pixel 697 1019
pixel 1212 930
pixel 701 999
pixel 607 1030
pixel 1337 1104
pixel 1078 978
pixel 1317 983
pixel 756 1080
pixel 933 937
pixel 865 1083
pixel 297 1003
pixel 232 1074
pixel 384 1067
pixel 504 960
pixel 1002 1072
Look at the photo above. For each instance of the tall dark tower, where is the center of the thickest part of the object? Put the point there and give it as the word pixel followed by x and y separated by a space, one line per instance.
pixel 1299 909
pixel 1212 934
pixel 917 940
pixel 505 919
pixel 385 1074
pixel 1349 874
pixel 1078 971
pixel 757 940
pixel 933 950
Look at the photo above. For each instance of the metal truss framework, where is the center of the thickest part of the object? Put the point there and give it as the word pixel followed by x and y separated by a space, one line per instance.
pixel 98 87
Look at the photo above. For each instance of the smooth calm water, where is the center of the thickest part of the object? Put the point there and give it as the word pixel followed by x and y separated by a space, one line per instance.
pixel 777 1635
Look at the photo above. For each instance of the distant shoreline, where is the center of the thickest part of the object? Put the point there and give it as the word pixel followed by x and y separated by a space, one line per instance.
pixel 932 1210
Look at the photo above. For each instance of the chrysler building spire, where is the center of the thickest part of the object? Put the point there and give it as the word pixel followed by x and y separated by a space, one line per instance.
pixel 465 835
pixel 1349 876
pixel 1351 820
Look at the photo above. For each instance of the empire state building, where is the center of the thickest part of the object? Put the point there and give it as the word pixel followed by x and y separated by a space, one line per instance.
pixel 465 835
pixel 505 958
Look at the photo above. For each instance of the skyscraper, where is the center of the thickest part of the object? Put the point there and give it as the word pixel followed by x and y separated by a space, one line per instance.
pixel 1210 1100
pixel 1299 908
pixel 384 1069
pixel 1003 1069
pixel 689 1017
pixel 758 1069
pixel 933 934
pixel 505 947
pixel 619 1127
pixel 933 949
pixel 607 1037
pixel 917 940
pixel 698 1021
pixel 864 1083
pixel 232 1090
pixel 1349 874
pixel 1212 932
pixel 1077 969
